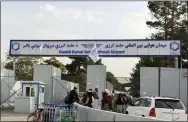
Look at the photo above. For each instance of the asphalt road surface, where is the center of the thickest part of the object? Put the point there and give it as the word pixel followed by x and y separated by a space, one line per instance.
pixel 8 115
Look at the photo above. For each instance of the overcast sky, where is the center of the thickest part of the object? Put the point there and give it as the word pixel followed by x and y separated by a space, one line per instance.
pixel 76 20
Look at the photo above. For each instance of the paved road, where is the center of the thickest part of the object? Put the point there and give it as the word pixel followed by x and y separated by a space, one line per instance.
pixel 8 115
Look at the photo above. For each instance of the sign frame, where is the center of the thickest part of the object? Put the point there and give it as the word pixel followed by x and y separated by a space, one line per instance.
pixel 90 40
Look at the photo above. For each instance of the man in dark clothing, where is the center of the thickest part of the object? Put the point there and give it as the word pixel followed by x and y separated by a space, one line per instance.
pixel 119 103
pixel 104 101
pixel 109 102
pixel 90 99
pixel 84 98
pixel 96 97
pixel 73 96
pixel 95 94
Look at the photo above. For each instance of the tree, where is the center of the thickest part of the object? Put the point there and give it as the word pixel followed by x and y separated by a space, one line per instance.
pixel 171 23
pixel 24 66
pixel 110 78
pixel 56 63
pixel 76 70
pixel 168 20
pixel 113 80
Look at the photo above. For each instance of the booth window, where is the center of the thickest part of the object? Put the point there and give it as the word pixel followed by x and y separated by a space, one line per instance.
pixel 42 89
pixel 32 92
pixel 27 91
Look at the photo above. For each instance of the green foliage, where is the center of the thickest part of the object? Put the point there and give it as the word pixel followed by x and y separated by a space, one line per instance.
pixel 111 78
pixel 168 18
pixel 76 71
pixel 24 67
pixel 56 63
pixel 80 79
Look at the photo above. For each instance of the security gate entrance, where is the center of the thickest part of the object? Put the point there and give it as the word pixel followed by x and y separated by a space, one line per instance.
pixel 105 48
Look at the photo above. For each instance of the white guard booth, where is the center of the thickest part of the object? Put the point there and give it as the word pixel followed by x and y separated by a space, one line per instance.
pixel 32 97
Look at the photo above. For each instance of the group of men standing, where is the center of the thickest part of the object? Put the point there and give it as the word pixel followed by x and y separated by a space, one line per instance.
pixel 110 101
pixel 90 98
pixel 116 102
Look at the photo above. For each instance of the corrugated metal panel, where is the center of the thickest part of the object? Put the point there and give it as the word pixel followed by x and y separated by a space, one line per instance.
pixel 169 82
pixel 96 77
pixel 149 81
pixel 172 82
pixel 183 87
pixel 44 73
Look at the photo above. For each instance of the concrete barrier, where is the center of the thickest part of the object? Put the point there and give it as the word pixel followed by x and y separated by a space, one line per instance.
pixel 88 114
pixel 82 113
pixel 100 115
pixel 124 117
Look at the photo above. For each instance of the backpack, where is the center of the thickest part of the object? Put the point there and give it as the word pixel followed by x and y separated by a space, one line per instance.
pixel 67 99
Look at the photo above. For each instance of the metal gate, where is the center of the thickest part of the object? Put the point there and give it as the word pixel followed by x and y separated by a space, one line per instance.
pixel 9 90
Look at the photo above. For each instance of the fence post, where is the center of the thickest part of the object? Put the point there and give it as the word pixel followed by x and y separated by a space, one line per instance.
pixel 52 100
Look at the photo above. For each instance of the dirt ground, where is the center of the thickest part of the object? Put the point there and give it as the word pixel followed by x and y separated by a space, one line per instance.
pixel 8 115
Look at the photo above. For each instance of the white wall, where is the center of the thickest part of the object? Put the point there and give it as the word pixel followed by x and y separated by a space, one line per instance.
pixel 16 88
pixel 61 89
pixel 172 82
pixel 56 72
pixel 60 92
pixel 25 105
pixel 96 73
pixel 183 87
pixel 169 82
pixel 89 114
pixel 45 73
pixel 55 88
pixel 149 81
pixel 100 115
pixel 7 83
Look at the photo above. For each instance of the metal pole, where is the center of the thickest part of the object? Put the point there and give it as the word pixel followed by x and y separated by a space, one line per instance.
pixel 159 81
pixel 181 62
pixel 14 67
pixel 176 62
